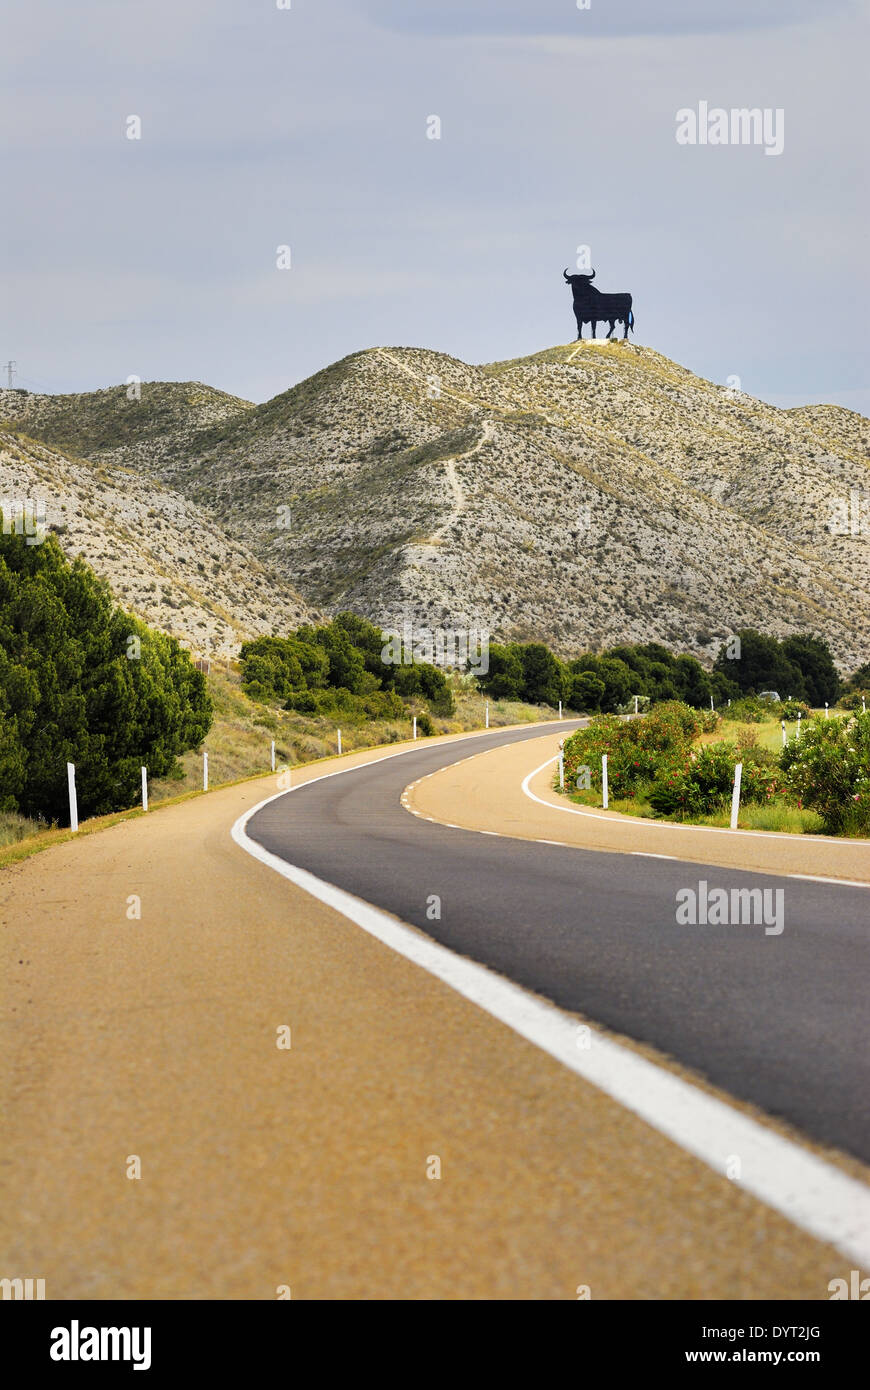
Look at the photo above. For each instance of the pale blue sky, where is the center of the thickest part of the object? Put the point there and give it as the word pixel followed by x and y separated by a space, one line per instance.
pixel 307 127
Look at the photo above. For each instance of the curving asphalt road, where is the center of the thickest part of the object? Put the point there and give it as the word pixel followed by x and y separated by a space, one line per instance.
pixel 776 1020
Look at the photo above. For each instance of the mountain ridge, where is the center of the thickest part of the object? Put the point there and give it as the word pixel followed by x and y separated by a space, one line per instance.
pixel 584 495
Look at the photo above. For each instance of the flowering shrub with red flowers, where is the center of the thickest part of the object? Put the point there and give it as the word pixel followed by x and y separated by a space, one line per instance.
pixel 636 749
pixel 656 757
pixel 703 782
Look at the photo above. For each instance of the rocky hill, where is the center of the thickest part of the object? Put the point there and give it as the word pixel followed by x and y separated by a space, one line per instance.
pixel 165 559
pixel 585 495
pixel 132 424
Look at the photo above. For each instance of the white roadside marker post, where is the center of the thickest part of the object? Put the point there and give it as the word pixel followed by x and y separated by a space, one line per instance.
pixel 798 729
pixel 735 795
pixel 273 755
pixel 635 705
pixel 711 701
pixel 826 709
pixel 863 705
pixel 339 742
pixel 415 726
pixel 204 770
pixel 73 801
pixel 784 734
pixel 144 789
pixel 561 767
pixel 604 793
pixel 487 715
pixel 560 709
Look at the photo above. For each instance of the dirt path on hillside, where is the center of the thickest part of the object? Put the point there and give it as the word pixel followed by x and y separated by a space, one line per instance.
pixel 156 1037
pixel 456 488
pixel 485 793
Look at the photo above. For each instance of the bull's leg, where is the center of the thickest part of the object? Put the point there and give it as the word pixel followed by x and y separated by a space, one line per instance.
pixel 579 329
pixel 612 323
pixel 625 334
pixel 594 326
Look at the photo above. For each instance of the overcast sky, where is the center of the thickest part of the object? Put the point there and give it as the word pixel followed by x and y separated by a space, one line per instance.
pixel 307 127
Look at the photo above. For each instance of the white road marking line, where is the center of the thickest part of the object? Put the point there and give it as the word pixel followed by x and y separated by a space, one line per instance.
pixel 648 854
pixel 811 1193
pixel 842 882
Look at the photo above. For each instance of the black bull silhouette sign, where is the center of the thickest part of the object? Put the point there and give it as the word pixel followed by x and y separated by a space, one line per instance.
pixel 591 306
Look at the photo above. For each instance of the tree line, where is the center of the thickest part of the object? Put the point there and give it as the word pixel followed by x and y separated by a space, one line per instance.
pixel 798 667
pixel 340 666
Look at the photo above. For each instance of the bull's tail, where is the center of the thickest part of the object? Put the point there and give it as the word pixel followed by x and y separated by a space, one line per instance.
pixel 631 319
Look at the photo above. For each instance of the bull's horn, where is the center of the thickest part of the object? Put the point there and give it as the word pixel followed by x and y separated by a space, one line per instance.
pixel 592 276
pixel 565 273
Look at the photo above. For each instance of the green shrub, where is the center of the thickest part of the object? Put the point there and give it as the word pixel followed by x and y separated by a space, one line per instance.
pixel 653 670
pixel 750 710
pixel 421 679
pixel 704 782
pixel 761 665
pixel 790 709
pixel 762 779
pixel 828 770
pixel 526 671
pixel 698 785
pixel 812 657
pixel 636 749
pixel 655 757
pixel 608 681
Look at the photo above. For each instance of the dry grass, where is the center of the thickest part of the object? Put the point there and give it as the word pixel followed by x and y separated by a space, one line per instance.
pixel 778 817
pixel 767 735
pixel 239 741
pixel 14 828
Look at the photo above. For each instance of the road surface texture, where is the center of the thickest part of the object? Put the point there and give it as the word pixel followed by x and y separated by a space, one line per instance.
pixel 779 1020
pixel 154 1035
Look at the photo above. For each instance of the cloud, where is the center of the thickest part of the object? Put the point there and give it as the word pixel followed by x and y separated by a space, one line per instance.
pixel 308 127
pixel 603 18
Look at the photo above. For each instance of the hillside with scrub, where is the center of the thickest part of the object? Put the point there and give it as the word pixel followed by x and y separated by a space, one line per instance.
pixel 586 496
pixel 164 558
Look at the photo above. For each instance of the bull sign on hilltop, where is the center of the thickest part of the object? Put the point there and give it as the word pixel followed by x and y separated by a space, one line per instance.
pixel 591 306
